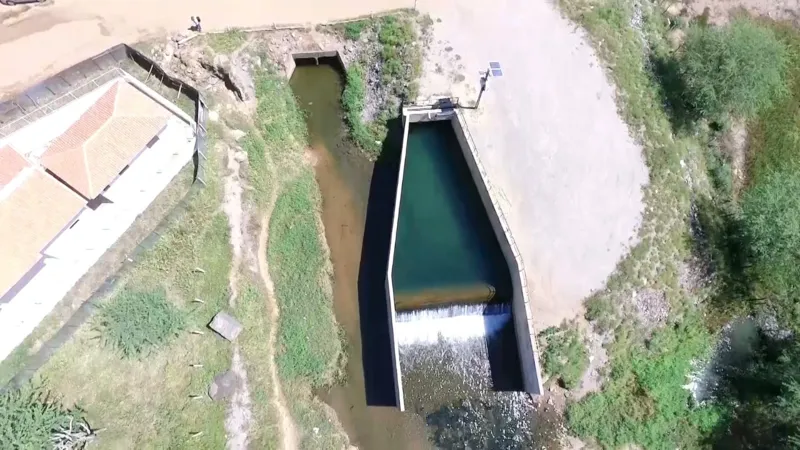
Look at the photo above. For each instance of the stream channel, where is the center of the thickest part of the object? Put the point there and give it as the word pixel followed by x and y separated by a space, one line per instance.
pixel 447 402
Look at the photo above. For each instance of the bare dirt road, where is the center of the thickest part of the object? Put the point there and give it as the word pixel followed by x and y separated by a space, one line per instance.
pixel 38 41
pixel 548 132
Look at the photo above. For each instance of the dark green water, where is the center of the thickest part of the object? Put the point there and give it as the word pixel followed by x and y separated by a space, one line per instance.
pixel 444 237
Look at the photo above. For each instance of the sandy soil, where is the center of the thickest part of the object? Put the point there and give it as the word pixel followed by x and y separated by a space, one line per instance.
pixel 47 38
pixel 569 175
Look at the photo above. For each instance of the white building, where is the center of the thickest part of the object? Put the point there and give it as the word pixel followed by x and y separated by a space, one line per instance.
pixel 71 183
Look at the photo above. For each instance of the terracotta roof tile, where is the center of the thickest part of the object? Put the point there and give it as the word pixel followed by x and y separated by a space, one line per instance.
pixel 91 153
pixel 30 217
pixel 11 164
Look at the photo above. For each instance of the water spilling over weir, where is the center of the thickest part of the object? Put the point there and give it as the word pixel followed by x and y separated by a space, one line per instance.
pixel 451 327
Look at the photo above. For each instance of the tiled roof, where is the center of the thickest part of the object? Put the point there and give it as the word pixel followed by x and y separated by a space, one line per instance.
pixel 30 217
pixel 11 164
pixel 95 149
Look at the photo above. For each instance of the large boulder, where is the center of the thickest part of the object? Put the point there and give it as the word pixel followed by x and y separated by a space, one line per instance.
pixel 227 327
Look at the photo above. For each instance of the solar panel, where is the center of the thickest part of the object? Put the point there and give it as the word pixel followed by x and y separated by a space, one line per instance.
pixel 495 69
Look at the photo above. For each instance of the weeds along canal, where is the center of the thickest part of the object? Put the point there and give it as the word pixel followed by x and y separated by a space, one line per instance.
pixel 457 386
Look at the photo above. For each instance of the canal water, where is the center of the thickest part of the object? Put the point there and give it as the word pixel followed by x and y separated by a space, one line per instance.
pixel 453 387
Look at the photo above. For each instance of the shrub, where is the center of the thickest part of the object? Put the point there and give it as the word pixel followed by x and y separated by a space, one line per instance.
pixel 352 30
pixel 565 354
pixel 736 70
pixel 771 221
pixel 138 322
pixel 30 420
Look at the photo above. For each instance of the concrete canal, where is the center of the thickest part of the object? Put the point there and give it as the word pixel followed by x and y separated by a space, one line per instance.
pixel 458 388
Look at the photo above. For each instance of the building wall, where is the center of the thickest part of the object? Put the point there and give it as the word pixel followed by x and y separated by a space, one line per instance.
pixel 76 249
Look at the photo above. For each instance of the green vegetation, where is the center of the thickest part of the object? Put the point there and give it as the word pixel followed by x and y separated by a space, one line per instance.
pixel 737 70
pixel 352 30
pixel 644 401
pixel 309 338
pixel 565 354
pixel 136 323
pixel 227 42
pixel 309 346
pixel 353 98
pixel 400 61
pixel 29 419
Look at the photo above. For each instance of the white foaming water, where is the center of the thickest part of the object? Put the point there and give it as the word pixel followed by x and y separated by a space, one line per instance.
pixel 454 323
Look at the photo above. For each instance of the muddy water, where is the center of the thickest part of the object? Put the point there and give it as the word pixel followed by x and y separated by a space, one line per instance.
pixel 344 179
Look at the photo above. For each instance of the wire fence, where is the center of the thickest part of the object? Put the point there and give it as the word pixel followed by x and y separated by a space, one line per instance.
pixel 55 92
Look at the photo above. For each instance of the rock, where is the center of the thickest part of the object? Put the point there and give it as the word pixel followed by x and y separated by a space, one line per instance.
pixel 213 116
pixel 223 386
pixel 227 327
pixel 237 134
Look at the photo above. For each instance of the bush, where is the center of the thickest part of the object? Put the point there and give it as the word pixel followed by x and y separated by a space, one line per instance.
pixel 138 322
pixel 352 30
pixel 565 354
pixel 736 70
pixel 29 419
pixel 771 221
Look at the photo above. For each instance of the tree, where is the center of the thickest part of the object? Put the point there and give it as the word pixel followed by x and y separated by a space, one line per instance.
pixel 735 70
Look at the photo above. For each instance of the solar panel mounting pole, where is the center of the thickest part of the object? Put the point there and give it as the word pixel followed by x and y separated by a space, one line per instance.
pixel 494 70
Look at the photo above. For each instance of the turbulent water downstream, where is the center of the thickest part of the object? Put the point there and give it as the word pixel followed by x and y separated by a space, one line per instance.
pixel 454 372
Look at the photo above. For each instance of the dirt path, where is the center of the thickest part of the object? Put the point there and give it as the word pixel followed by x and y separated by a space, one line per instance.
pixel 239 415
pixel 289 437
pixel 568 173
pixel 42 40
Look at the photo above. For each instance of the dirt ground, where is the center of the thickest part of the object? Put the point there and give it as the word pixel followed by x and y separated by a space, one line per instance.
pixel 45 39
pixel 569 175
pixel 720 11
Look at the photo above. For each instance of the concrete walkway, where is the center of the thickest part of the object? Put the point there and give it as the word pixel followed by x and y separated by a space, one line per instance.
pixel 551 139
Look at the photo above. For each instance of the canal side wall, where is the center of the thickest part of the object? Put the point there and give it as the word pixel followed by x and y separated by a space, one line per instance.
pixel 523 319
pixel 398 379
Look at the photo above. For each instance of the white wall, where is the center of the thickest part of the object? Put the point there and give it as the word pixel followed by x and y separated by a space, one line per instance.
pixel 75 251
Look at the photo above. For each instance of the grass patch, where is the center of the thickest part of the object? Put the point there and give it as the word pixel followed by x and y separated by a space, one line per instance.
pixel 353 30
pixel 775 136
pixel 226 42
pixel 29 419
pixel 137 323
pixel 565 354
pixel 308 342
pixel 353 98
